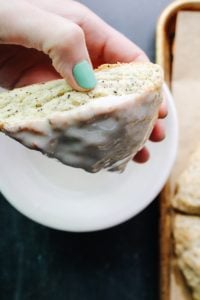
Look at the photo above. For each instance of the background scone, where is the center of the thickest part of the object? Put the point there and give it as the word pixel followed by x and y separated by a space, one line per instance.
pixel 100 129
pixel 187 248
pixel 187 196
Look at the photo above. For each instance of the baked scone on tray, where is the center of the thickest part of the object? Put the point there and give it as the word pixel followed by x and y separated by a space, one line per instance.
pixel 186 227
pixel 99 129
pixel 187 249
pixel 187 196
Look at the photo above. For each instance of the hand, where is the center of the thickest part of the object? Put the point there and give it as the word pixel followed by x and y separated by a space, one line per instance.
pixel 42 40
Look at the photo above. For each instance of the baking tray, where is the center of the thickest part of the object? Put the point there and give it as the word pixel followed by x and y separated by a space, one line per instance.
pixel 169 288
pixel 166 32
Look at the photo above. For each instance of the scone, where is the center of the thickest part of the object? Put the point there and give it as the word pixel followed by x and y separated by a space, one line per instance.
pixel 187 248
pixel 100 129
pixel 187 196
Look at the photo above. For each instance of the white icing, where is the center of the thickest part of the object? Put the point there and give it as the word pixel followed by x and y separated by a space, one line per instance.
pixel 101 134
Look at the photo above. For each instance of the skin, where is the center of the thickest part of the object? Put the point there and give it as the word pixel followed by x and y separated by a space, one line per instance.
pixel 54 36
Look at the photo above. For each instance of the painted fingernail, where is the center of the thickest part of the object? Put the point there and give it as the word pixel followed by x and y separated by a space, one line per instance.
pixel 84 75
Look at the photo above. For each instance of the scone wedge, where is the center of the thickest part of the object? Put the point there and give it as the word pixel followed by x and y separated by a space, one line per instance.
pixel 187 248
pixel 95 130
pixel 187 196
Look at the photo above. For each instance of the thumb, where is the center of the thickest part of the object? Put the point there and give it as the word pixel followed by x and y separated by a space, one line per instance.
pixel 61 39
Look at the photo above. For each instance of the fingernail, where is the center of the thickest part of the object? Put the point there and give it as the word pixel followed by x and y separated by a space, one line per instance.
pixel 84 75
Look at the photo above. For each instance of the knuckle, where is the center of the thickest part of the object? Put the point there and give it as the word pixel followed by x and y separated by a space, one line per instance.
pixel 77 31
pixel 71 36
pixel 74 34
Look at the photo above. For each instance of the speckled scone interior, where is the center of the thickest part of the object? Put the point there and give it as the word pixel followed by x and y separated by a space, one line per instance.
pixel 95 130
pixel 39 101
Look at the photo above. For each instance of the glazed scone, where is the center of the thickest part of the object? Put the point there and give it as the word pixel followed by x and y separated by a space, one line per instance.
pixel 187 196
pixel 99 129
pixel 187 248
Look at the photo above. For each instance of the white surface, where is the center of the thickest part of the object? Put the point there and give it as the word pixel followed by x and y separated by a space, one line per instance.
pixel 70 199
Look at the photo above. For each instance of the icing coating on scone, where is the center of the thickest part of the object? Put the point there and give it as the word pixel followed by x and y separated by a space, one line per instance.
pixel 104 134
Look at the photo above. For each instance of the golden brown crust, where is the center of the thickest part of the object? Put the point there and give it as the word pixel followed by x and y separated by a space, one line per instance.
pixel 104 67
pixel 108 66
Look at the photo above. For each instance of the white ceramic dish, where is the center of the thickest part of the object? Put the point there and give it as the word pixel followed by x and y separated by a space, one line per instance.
pixel 70 199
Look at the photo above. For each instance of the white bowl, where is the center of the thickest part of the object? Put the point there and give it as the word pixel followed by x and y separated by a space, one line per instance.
pixel 70 199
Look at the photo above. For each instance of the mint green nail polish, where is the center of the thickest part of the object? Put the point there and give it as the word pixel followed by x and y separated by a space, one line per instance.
pixel 84 75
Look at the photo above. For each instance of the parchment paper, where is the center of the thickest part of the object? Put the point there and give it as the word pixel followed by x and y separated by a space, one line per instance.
pixel 186 92
pixel 186 83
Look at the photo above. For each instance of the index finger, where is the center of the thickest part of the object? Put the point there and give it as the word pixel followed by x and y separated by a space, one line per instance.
pixel 107 45
pixel 118 48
